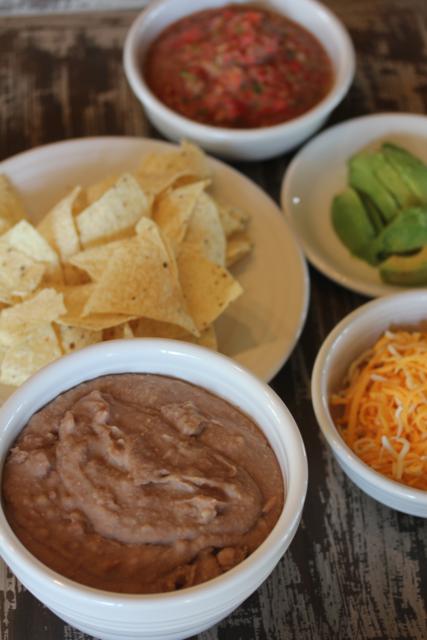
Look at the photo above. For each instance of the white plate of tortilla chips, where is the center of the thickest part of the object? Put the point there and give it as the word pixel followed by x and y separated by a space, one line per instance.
pixel 115 237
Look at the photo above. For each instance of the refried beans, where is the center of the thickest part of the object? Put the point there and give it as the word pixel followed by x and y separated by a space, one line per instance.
pixel 140 483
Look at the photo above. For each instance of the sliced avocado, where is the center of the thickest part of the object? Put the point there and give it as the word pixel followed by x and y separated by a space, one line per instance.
pixel 409 271
pixel 372 211
pixel 352 223
pixel 410 168
pixel 408 231
pixel 362 177
pixel 391 180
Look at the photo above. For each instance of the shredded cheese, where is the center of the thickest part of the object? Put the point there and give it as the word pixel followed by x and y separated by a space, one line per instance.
pixel 382 409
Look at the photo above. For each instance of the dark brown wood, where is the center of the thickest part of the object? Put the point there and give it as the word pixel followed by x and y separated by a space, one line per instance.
pixel 356 569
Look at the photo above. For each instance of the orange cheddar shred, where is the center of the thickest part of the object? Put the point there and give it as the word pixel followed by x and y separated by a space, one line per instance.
pixel 382 409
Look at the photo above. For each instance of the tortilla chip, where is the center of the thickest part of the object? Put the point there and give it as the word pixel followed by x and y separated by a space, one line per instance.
pixel 140 280
pixel 33 352
pixel 58 226
pixel 75 299
pixel 159 170
pixel 238 246
pixel 73 338
pixel 205 233
pixel 208 288
pixel 208 338
pixel 120 332
pixel 25 238
pixel 146 328
pixel 11 206
pixel 233 219
pixel 94 321
pixel 133 255
pixel 115 214
pixel 19 274
pixel 94 261
pixel 16 322
pixel 95 191
pixel 174 210
pixel 73 276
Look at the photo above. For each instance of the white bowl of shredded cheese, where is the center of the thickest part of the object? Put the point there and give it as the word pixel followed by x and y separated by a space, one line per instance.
pixel 369 393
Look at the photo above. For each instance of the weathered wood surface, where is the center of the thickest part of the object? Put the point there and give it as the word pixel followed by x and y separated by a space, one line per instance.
pixel 355 569
pixel 22 7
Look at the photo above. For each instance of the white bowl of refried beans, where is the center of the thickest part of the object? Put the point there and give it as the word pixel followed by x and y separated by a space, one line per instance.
pixel 244 80
pixel 149 487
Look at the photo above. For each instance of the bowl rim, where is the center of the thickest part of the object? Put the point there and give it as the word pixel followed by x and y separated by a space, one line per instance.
pixel 319 395
pixel 399 122
pixel 282 533
pixel 343 78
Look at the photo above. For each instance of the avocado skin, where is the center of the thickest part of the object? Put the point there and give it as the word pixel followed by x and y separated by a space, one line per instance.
pixel 408 231
pixel 363 178
pixel 412 171
pixel 408 271
pixel 352 224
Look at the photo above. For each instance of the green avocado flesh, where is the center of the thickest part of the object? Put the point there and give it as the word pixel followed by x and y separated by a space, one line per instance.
pixel 363 178
pixel 409 271
pixel 383 213
pixel 408 231
pixel 412 171
pixel 352 223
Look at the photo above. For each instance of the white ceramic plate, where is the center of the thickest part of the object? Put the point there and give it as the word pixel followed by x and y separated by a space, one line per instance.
pixel 318 172
pixel 261 328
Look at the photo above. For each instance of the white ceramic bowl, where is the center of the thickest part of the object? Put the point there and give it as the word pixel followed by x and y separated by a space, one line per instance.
pixel 244 144
pixel 353 335
pixel 179 614
pixel 323 164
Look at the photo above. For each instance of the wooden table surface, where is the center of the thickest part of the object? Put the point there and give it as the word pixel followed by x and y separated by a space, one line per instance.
pixel 355 569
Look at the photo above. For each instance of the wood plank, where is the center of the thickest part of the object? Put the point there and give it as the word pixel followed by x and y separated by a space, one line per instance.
pixel 19 7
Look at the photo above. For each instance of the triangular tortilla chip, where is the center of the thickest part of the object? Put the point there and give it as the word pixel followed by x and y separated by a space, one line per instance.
pixel 173 212
pixel 120 332
pixel 36 350
pixel 95 260
pixel 233 219
pixel 19 274
pixel 160 170
pixel 43 307
pixel 25 238
pixel 115 213
pixel 238 246
pixel 205 233
pixel 208 288
pixel 140 280
pixel 73 338
pixel 75 299
pixel 96 190
pixel 146 328
pixel 11 207
pixel 58 226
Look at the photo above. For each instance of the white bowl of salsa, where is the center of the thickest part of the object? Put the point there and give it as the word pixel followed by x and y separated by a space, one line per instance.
pixel 243 81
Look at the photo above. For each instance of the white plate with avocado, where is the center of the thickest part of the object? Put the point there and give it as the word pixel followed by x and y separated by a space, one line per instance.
pixel 378 195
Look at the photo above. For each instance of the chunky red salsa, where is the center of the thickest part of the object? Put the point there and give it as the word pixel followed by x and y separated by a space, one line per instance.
pixel 238 66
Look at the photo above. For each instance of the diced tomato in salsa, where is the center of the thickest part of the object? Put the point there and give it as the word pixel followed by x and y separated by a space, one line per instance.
pixel 238 66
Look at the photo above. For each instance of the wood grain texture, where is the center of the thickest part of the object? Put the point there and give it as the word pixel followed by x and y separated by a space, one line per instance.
pixel 15 7
pixel 355 570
